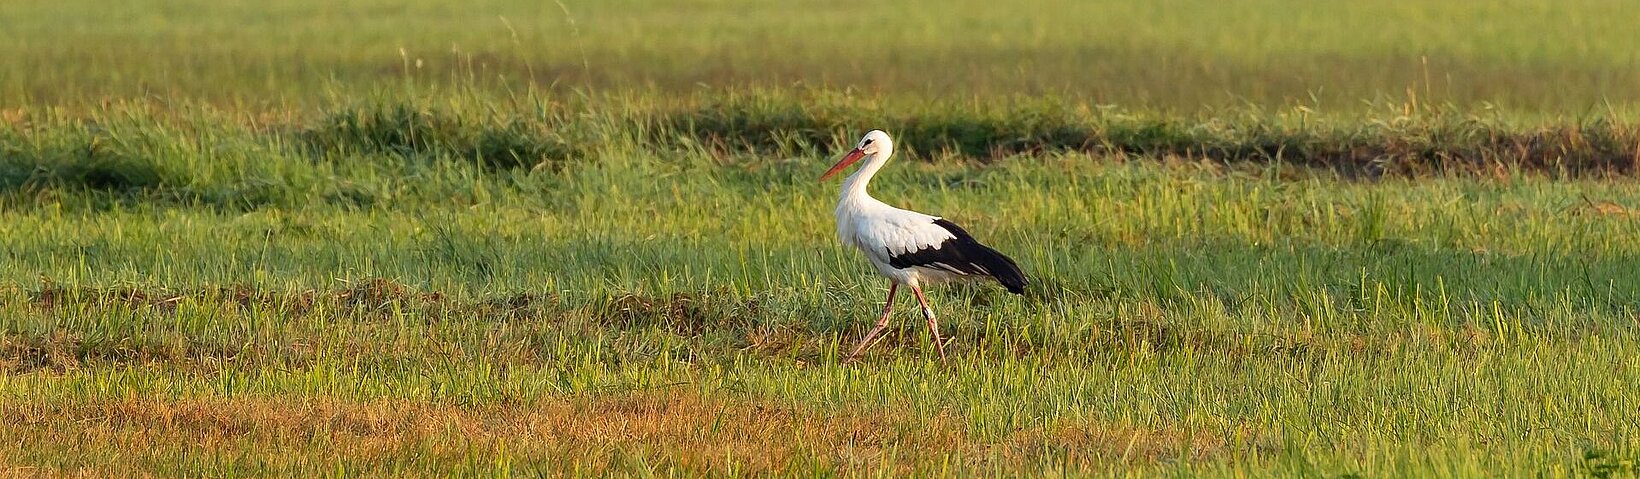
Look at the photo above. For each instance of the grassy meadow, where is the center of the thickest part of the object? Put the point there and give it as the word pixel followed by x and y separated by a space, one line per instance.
pixel 1560 58
pixel 410 239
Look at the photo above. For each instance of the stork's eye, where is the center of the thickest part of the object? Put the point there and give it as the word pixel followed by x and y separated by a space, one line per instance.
pixel 868 142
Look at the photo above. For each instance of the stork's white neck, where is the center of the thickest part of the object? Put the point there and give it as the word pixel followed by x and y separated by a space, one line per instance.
pixel 854 187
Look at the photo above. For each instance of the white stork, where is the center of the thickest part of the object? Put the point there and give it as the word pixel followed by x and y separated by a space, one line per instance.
pixel 908 247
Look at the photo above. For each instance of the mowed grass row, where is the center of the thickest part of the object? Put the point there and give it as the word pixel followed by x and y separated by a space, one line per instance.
pixel 664 302
pixel 195 155
pixel 1530 57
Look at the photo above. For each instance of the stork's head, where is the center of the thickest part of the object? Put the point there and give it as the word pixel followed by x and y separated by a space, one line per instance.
pixel 875 142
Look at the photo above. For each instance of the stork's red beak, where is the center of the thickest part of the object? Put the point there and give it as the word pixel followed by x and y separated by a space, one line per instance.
pixel 849 159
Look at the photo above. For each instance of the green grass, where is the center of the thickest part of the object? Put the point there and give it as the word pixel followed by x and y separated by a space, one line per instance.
pixel 390 290
pixel 1339 239
pixel 1560 58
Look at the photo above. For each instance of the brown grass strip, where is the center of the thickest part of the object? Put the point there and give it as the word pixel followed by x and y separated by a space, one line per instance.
pixel 684 433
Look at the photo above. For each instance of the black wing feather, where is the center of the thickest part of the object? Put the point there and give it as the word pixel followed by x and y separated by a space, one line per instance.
pixel 961 254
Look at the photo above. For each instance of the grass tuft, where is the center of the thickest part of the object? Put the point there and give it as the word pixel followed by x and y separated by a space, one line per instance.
pixel 408 131
pixel 83 159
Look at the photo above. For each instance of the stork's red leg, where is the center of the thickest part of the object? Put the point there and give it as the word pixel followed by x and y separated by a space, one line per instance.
pixel 933 323
pixel 888 305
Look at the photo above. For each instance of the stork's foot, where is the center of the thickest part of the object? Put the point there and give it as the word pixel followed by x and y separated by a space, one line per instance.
pixel 939 341
pixel 888 306
pixel 859 351
pixel 941 346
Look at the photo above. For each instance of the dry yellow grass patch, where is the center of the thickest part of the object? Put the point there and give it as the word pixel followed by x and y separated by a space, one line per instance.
pixel 675 431
pixel 594 435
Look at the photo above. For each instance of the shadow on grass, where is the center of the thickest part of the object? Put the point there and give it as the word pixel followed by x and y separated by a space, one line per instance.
pixel 1439 144
pixel 79 159
pixel 414 132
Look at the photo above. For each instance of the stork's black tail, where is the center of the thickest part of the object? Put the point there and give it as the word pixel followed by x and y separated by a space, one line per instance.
pixel 1005 271
pixel 963 255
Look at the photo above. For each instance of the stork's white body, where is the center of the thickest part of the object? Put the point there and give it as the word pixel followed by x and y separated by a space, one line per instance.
pixel 882 231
